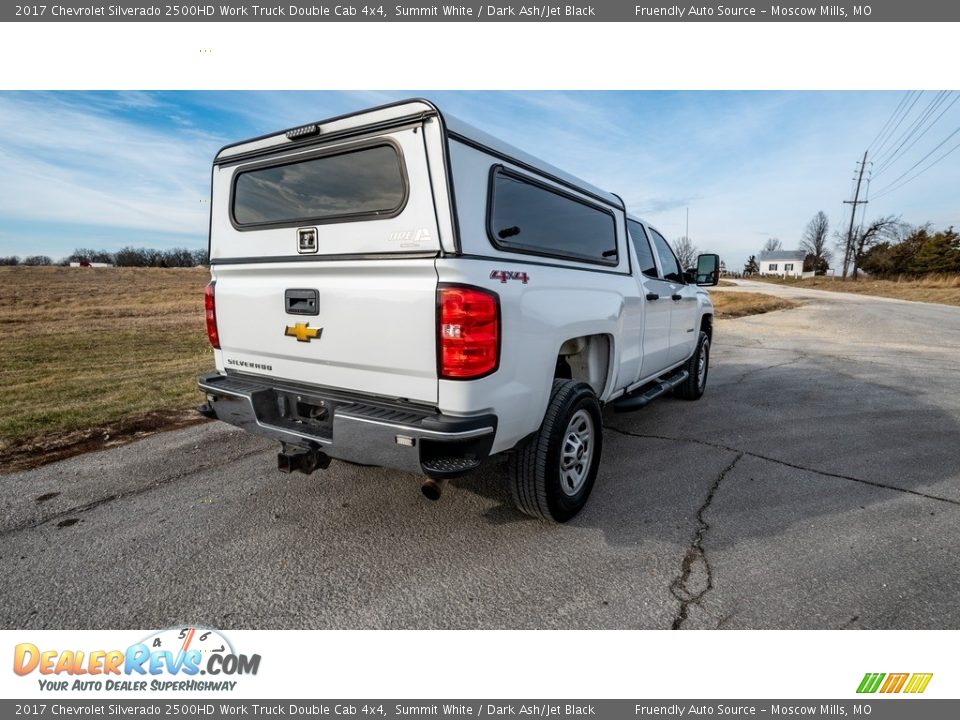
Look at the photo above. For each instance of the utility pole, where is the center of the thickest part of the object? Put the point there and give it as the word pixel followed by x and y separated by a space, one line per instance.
pixel 848 251
pixel 687 233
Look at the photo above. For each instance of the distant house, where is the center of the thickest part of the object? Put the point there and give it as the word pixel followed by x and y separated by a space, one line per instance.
pixel 87 263
pixel 785 263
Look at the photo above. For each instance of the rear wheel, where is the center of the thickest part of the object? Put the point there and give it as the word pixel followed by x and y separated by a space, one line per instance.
pixel 697 366
pixel 553 472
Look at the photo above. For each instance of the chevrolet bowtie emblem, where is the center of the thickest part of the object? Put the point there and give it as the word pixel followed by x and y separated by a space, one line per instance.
pixel 303 332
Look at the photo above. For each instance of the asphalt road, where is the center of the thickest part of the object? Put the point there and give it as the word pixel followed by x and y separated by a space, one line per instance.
pixel 816 485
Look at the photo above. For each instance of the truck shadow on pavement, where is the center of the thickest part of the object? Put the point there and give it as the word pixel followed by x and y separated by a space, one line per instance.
pixel 804 441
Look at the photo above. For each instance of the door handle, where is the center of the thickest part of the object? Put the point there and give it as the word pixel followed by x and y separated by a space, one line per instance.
pixel 652 296
pixel 676 297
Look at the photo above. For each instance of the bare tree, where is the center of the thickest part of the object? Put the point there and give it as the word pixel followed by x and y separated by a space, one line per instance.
pixel 178 257
pixel 772 244
pixel 885 228
pixel 686 252
pixel 814 241
pixel 131 257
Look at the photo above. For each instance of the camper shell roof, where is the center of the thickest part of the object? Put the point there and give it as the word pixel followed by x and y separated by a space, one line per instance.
pixel 398 113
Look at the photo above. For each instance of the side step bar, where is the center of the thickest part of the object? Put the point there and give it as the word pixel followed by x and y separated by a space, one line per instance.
pixel 643 396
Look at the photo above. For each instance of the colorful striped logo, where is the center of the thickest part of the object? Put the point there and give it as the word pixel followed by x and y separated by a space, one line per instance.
pixel 894 682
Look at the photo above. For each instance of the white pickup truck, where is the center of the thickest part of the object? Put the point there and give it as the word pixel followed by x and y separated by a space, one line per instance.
pixel 397 288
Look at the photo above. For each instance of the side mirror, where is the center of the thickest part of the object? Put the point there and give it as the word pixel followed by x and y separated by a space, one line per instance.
pixel 708 269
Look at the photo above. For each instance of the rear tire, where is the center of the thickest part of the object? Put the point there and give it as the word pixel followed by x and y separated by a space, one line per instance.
pixel 552 473
pixel 698 366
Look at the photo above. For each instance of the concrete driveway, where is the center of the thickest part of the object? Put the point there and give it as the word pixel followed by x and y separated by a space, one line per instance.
pixel 816 485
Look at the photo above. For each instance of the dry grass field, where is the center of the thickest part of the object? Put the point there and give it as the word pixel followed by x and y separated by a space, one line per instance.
pixel 731 304
pixel 942 289
pixel 92 355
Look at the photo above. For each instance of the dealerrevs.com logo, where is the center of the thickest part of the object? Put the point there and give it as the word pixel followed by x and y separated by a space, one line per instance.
pixel 171 659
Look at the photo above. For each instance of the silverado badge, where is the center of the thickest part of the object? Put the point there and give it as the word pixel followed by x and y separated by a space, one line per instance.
pixel 303 332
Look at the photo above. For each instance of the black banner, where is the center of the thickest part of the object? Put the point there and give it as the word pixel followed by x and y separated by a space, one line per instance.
pixel 496 11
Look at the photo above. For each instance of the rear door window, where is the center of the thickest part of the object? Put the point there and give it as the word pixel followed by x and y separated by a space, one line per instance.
pixel 640 243
pixel 362 183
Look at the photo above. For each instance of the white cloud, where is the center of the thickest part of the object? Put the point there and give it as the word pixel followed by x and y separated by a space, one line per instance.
pixel 63 162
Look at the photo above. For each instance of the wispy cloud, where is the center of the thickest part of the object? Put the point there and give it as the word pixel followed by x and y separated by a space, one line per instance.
pixel 63 161
pixel 128 166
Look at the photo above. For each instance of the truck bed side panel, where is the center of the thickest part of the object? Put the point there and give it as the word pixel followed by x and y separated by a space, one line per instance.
pixel 555 305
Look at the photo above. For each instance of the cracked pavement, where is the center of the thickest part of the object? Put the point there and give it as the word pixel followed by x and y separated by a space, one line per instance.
pixel 816 485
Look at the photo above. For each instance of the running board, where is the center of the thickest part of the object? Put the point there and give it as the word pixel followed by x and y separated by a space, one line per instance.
pixel 643 396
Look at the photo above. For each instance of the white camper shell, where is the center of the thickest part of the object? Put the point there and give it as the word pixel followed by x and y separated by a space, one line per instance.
pixel 397 288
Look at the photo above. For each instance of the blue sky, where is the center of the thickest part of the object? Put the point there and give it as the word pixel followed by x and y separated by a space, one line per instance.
pixel 109 169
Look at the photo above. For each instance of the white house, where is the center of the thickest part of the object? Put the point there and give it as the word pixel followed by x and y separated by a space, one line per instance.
pixel 785 263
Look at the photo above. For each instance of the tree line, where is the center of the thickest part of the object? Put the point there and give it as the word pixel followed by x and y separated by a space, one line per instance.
pixel 29 260
pixel 919 252
pixel 888 247
pixel 126 257
pixel 885 247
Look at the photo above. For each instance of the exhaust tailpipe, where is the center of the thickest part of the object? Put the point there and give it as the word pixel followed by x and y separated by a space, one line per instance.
pixel 432 489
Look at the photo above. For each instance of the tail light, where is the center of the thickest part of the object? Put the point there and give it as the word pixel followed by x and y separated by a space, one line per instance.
pixel 469 332
pixel 210 310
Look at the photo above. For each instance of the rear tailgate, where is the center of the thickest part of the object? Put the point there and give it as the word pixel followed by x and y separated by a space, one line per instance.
pixel 324 264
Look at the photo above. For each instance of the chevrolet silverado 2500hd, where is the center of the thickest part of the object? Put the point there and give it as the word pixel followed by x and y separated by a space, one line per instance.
pixel 397 288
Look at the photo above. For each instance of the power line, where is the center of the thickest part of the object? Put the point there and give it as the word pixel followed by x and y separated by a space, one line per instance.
pixel 894 128
pixel 889 120
pixel 878 156
pixel 887 164
pixel 889 189
pixel 880 152
pixel 920 161
pixel 912 130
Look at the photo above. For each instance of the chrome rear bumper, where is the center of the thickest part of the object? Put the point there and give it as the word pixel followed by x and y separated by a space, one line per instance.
pixel 349 427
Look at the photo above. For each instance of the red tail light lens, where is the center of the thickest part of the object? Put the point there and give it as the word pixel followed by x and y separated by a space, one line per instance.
pixel 210 310
pixel 469 332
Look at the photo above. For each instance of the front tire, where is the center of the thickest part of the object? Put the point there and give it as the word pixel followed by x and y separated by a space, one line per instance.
pixel 697 366
pixel 553 472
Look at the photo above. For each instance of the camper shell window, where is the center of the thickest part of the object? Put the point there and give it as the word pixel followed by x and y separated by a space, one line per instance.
pixel 526 216
pixel 359 183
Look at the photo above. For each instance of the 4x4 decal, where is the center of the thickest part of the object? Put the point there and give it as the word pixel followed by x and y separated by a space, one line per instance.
pixel 504 275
